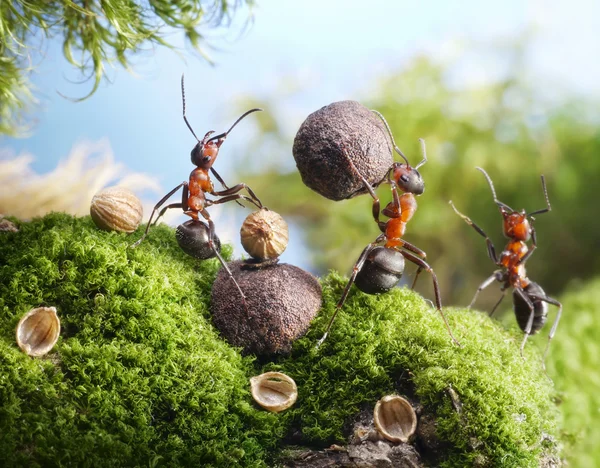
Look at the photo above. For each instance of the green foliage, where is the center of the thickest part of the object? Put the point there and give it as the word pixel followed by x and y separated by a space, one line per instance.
pixel 141 377
pixel 507 128
pixel 94 34
pixel 574 363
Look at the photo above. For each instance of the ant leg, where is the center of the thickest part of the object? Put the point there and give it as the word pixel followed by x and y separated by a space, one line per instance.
pixel 490 245
pixel 376 204
pixel 436 288
pixel 548 207
pixel 237 188
pixel 159 204
pixel 168 207
pixel 222 182
pixel 495 277
pixel 529 325
pixel 549 300
pixel 357 266
pixel 498 303
pixel 211 236
pixel 533 247
pixel 237 196
pixel 420 253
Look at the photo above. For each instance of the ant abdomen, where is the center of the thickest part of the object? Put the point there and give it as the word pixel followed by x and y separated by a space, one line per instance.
pixel 522 310
pixel 382 270
pixel 193 236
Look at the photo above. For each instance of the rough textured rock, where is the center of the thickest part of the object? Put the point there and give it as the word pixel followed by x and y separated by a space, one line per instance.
pixel 318 156
pixel 282 300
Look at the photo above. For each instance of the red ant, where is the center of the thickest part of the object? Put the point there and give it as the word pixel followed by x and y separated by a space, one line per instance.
pixel 194 201
pixel 529 299
pixel 381 264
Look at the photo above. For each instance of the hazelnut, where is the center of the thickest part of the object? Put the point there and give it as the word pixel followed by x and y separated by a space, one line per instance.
pixel 281 301
pixel 116 209
pixel 319 158
pixel 264 234
pixel 192 237
pixel 38 331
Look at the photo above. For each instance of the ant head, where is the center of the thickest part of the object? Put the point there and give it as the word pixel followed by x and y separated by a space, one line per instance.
pixel 516 225
pixel 408 179
pixel 206 151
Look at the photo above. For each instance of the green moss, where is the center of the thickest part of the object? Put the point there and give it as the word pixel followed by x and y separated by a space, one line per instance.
pixel 141 377
pixel 574 363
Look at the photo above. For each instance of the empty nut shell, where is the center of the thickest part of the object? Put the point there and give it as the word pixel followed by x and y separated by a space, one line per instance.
pixel 395 418
pixel 264 234
pixel 116 209
pixel 274 391
pixel 38 331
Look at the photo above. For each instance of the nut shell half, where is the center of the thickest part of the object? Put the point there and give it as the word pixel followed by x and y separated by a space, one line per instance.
pixel 395 418
pixel 274 391
pixel 116 209
pixel 264 234
pixel 38 331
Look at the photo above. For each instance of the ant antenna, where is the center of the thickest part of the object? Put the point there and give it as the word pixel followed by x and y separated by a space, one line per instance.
pixel 184 117
pixel 498 202
pixel 224 135
pixel 423 152
pixel 548 207
pixel 391 136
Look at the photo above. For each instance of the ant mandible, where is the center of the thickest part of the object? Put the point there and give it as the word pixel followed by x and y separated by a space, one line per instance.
pixel 529 299
pixel 381 264
pixel 194 201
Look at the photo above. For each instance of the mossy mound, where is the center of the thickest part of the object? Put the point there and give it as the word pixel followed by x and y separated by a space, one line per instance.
pixel 574 364
pixel 141 377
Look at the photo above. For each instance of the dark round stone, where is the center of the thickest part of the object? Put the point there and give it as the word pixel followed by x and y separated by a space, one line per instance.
pixel 318 156
pixel 381 271
pixel 192 237
pixel 282 300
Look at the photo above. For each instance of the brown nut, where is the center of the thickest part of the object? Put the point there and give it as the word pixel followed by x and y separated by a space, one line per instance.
pixel 116 209
pixel 274 391
pixel 264 234
pixel 38 331
pixel 395 418
pixel 318 152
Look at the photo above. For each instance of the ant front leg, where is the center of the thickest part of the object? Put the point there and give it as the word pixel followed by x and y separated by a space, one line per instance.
pixel 222 182
pixel 211 244
pixel 357 266
pixel 235 191
pixel 376 203
pixel 490 244
pixel 162 201
pixel 436 288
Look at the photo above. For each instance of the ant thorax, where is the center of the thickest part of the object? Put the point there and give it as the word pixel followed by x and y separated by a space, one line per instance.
pixel 512 254
pixel 516 226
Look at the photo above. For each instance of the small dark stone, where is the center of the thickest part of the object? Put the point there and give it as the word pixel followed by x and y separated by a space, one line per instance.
pixel 318 156
pixel 282 300
pixel 192 237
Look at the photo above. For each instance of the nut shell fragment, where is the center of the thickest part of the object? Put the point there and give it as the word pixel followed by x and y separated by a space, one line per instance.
pixel 38 331
pixel 264 234
pixel 116 209
pixel 274 391
pixel 395 418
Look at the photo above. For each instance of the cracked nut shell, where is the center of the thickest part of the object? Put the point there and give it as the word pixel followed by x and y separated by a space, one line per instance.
pixel 38 331
pixel 282 300
pixel 395 418
pixel 274 391
pixel 318 156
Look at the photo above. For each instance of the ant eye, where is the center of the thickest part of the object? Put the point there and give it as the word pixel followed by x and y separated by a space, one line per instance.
pixel 206 159
pixel 404 178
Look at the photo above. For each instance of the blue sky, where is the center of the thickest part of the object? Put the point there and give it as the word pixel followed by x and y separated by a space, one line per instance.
pixel 336 48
